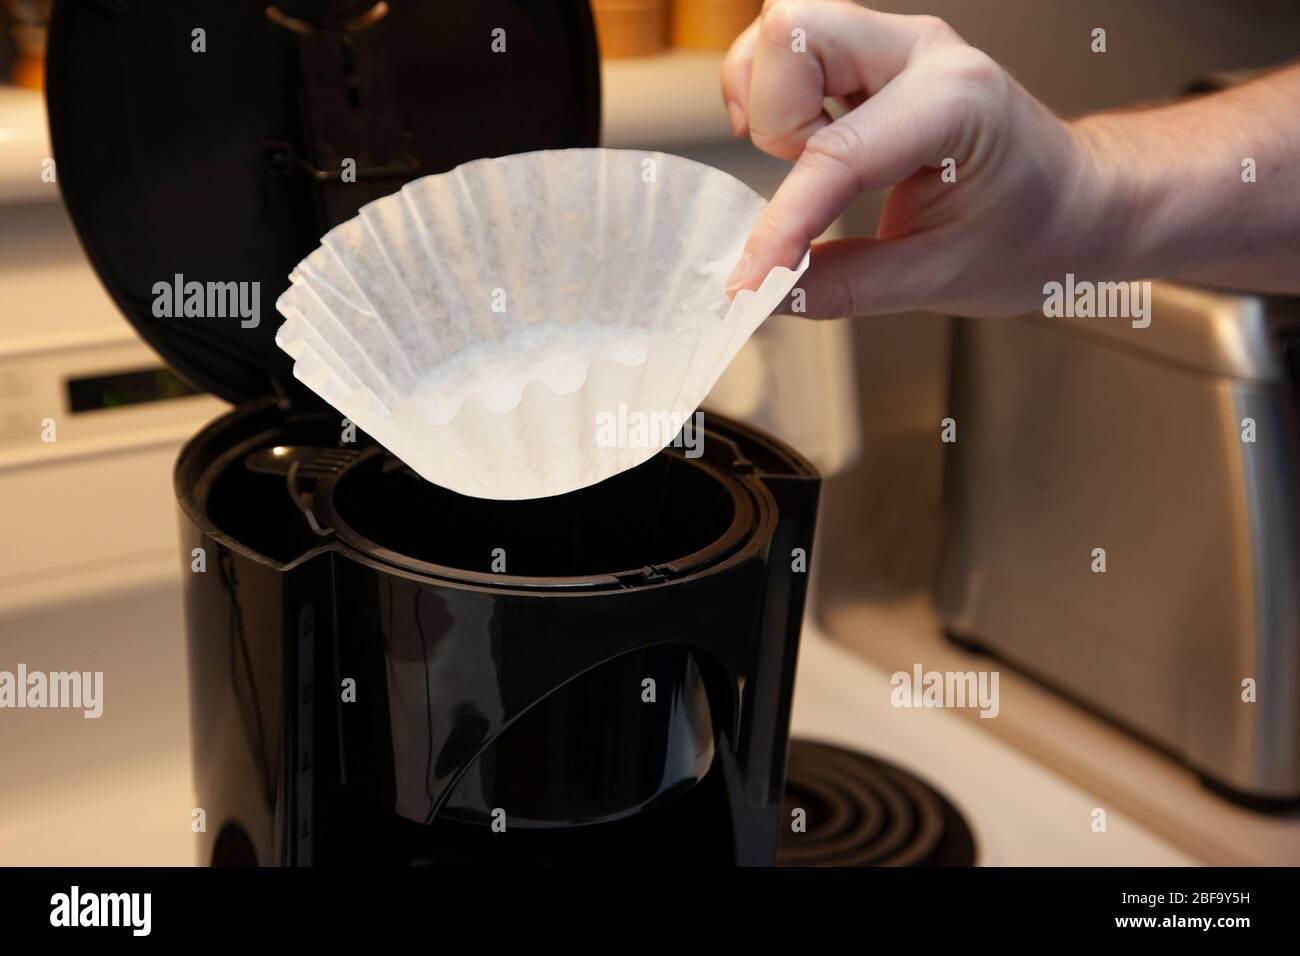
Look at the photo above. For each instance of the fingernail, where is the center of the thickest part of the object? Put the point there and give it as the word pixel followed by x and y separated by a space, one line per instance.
pixel 739 275
pixel 736 117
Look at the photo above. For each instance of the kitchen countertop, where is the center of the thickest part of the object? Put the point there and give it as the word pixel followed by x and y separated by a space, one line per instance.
pixel 1021 812
pixel 1154 789
pixel 113 790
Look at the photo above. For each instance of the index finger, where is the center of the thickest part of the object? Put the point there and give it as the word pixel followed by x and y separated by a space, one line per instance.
pixel 880 143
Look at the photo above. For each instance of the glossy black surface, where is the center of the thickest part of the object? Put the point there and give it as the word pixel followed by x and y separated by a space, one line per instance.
pixel 173 161
pixel 470 697
pixel 596 536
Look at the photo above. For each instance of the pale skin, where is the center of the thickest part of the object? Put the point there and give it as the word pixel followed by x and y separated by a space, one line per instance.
pixel 1139 194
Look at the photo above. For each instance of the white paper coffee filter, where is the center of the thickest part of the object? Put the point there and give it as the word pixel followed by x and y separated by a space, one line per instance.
pixel 488 325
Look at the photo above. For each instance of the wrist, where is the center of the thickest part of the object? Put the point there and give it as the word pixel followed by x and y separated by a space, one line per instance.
pixel 1127 227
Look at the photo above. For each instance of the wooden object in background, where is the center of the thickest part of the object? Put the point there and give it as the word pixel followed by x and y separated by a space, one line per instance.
pixel 27 20
pixel 627 28
pixel 711 24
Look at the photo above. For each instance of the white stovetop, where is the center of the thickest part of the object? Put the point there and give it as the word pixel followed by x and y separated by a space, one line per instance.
pixel 1022 814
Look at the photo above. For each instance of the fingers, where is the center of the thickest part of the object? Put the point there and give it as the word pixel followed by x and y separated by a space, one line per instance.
pixel 880 143
pixel 872 277
pixel 736 69
pixel 787 85
pixel 779 71
pixel 776 80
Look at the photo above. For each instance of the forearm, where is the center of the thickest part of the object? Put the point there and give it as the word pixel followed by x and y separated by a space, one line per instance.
pixel 1175 196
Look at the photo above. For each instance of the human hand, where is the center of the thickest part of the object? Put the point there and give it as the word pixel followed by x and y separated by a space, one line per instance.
pixel 990 195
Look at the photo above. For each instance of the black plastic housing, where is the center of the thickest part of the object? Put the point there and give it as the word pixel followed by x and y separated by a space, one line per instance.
pixel 475 692
pixel 207 139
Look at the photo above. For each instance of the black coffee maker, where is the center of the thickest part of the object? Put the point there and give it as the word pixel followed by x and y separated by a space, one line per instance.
pixel 368 684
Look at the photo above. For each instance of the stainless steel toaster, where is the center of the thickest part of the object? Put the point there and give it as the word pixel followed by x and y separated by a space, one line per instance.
pixel 1121 521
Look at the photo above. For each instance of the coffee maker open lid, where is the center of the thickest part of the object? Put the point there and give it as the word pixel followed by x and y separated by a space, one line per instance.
pixel 218 156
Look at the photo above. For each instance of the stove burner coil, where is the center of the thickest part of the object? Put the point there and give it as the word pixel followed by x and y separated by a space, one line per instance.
pixel 864 812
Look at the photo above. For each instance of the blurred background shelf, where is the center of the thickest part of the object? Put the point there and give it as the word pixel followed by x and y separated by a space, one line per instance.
pixel 656 99
pixel 24 146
